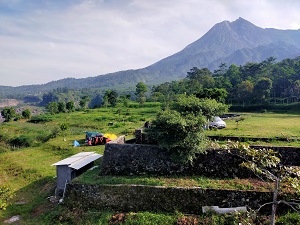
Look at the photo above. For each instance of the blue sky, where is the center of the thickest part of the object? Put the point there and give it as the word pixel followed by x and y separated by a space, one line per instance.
pixel 45 40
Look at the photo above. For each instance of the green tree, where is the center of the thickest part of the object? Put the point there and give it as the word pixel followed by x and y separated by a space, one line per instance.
pixel 221 71
pixel 203 76
pixel 26 114
pixel 244 91
pixel 140 92
pixel 84 102
pixel 125 100
pixel 219 94
pixel 105 101
pixel 63 127
pixel 262 90
pixel 267 166
pixel 179 129
pixel 70 106
pixel 8 113
pixel 49 97
pixel 52 107
pixel 234 75
pixel 181 135
pixel 112 97
pixel 62 107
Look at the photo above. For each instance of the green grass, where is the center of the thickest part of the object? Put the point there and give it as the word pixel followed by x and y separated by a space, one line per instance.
pixel 28 171
pixel 263 125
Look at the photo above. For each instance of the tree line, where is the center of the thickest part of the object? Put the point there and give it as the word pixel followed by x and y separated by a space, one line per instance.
pixel 267 82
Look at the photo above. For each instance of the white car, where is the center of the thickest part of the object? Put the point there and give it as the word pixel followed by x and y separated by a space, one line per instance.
pixel 217 122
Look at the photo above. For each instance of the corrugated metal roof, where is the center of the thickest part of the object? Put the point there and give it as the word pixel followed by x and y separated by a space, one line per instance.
pixel 79 160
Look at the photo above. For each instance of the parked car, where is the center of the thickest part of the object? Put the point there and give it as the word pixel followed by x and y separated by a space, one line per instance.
pixel 217 122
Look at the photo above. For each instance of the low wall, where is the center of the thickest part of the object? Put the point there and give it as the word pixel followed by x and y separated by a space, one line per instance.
pixel 141 159
pixel 134 198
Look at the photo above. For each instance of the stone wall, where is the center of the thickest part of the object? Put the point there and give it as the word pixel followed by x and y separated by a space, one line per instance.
pixel 134 198
pixel 290 156
pixel 141 159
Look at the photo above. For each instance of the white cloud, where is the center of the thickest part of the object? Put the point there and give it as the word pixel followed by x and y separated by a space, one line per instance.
pixel 46 40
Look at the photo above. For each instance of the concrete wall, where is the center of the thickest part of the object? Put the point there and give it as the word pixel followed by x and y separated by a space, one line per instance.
pixel 64 173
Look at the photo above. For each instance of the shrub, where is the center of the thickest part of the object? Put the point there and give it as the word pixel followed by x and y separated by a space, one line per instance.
pixel 289 219
pixel 26 114
pixel 40 119
pixel 5 195
pixel 180 131
pixel 22 141
pixel 182 136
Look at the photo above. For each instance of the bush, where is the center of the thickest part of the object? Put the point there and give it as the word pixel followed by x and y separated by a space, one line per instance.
pixel 22 141
pixel 5 195
pixel 289 219
pixel 40 119
pixel 17 117
pixel 180 129
pixel 26 114
pixel 182 136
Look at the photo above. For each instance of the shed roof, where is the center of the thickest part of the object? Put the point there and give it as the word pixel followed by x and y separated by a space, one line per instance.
pixel 79 160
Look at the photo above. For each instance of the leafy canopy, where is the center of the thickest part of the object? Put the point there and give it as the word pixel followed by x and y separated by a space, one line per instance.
pixel 179 129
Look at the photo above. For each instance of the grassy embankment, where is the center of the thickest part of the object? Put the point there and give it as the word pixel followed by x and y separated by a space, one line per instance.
pixel 27 170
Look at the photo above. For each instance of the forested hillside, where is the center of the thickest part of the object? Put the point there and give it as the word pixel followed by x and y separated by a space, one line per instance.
pixel 254 83
pixel 267 82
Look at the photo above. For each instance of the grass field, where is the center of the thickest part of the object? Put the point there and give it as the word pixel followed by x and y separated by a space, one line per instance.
pixel 264 125
pixel 27 170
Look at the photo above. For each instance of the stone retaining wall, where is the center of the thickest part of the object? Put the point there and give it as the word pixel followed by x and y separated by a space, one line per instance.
pixel 140 159
pixel 134 198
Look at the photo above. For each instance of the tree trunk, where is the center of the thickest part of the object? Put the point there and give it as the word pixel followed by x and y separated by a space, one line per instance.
pixel 275 202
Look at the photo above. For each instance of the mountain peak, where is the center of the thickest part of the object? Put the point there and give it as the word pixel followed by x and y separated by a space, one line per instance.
pixel 236 42
pixel 237 24
pixel 242 22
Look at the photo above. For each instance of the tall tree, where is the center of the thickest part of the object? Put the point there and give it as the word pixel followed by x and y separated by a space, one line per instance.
pixel 203 76
pixel 112 97
pixel 219 94
pixel 70 106
pixel 140 92
pixel 84 102
pixel 52 107
pixel 262 90
pixel 62 107
pixel 244 91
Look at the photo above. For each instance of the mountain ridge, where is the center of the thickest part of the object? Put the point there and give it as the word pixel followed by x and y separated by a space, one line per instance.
pixel 236 42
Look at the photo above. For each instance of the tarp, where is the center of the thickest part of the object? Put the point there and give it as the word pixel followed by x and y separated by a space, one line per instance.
pixel 110 136
pixel 93 134
pixel 76 143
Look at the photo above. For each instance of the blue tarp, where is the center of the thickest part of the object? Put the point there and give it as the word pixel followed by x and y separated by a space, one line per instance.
pixel 75 143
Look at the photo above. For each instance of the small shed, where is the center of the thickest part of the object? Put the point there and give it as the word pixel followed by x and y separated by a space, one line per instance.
pixel 70 168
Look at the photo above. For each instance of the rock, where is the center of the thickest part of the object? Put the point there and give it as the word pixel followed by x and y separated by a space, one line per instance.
pixel 13 219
